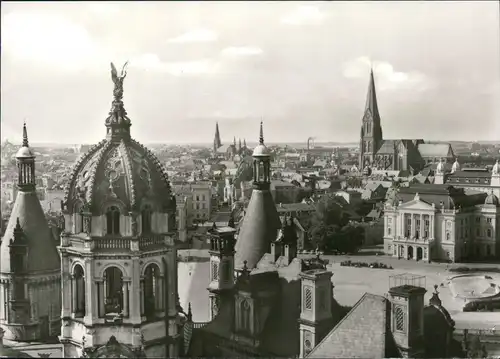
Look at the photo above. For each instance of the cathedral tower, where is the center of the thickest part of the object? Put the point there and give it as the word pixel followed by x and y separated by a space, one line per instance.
pixel 371 130
pixel 119 261
pixel 30 275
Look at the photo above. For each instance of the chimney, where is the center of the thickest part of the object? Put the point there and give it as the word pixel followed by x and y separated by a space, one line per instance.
pixel 276 250
pixel 290 252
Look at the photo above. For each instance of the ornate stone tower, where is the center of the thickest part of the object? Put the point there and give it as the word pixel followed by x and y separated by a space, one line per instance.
pixel 316 308
pixel 30 300
pixel 407 313
pixel 221 265
pixel 119 262
pixel 371 130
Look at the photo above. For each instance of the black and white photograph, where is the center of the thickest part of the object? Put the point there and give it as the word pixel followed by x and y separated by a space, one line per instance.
pixel 250 179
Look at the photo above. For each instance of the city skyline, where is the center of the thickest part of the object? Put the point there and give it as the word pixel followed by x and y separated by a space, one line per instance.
pixel 302 68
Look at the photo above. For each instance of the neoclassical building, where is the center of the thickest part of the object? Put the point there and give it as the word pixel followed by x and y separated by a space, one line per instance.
pixel 30 274
pixel 118 257
pixel 440 222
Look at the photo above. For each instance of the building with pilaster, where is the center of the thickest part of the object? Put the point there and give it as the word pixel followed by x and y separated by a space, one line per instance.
pixel 440 222
pixel 30 277
pixel 118 256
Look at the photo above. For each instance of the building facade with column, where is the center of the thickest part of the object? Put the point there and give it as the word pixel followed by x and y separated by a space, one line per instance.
pixel 440 222
pixel 118 256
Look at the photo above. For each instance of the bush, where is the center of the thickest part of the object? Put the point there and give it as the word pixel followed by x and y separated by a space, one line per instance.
pixel 373 265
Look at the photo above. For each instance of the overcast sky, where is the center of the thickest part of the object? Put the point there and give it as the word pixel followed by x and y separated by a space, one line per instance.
pixel 301 67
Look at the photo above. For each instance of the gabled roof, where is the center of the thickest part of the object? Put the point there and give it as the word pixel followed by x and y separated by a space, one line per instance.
pixel 363 333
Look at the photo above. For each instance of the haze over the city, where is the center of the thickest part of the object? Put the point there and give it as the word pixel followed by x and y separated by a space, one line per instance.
pixel 301 67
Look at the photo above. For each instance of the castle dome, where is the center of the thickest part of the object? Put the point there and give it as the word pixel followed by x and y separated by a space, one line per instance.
pixel 491 199
pixel 456 166
pixel 118 169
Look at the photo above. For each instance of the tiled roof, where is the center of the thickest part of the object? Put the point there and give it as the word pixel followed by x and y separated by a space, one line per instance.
pixel 43 255
pixel 388 147
pixel 259 228
pixel 435 150
pixel 362 333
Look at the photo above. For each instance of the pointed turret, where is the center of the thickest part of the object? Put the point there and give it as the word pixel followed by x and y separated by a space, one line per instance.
pixel 217 141
pixel 28 250
pixel 234 141
pixel 25 165
pixel 239 146
pixel 261 222
pixel 245 142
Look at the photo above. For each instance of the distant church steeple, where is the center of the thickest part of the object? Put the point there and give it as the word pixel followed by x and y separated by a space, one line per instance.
pixel 217 141
pixel 371 130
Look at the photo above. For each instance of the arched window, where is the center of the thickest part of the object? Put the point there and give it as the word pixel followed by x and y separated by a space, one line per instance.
pixel 245 316
pixel 146 217
pixel 152 291
pixel 113 296
pixel 78 291
pixel 113 220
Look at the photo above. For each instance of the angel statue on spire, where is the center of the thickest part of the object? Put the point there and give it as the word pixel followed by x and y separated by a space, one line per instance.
pixel 118 80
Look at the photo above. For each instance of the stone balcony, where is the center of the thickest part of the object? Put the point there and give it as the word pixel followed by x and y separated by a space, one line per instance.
pixel 115 243
pixel 414 240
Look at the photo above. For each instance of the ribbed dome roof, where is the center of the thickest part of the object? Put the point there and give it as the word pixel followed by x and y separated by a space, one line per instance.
pixel 124 170
pixel 118 168
pixel 491 199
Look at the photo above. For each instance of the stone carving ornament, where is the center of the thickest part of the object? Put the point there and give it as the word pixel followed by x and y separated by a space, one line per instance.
pixel 113 168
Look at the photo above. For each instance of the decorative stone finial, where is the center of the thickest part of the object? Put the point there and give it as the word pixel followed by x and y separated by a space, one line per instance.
pixel 189 313
pixel 261 136
pixel 417 197
pixel 435 300
pixel 25 136
pixel 118 80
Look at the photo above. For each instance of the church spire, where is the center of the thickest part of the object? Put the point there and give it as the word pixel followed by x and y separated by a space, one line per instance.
pixel 217 141
pixel 371 129
pixel 371 97
pixel 118 124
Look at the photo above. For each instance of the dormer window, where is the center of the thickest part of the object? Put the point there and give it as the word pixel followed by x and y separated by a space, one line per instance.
pixel 146 217
pixel 113 220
